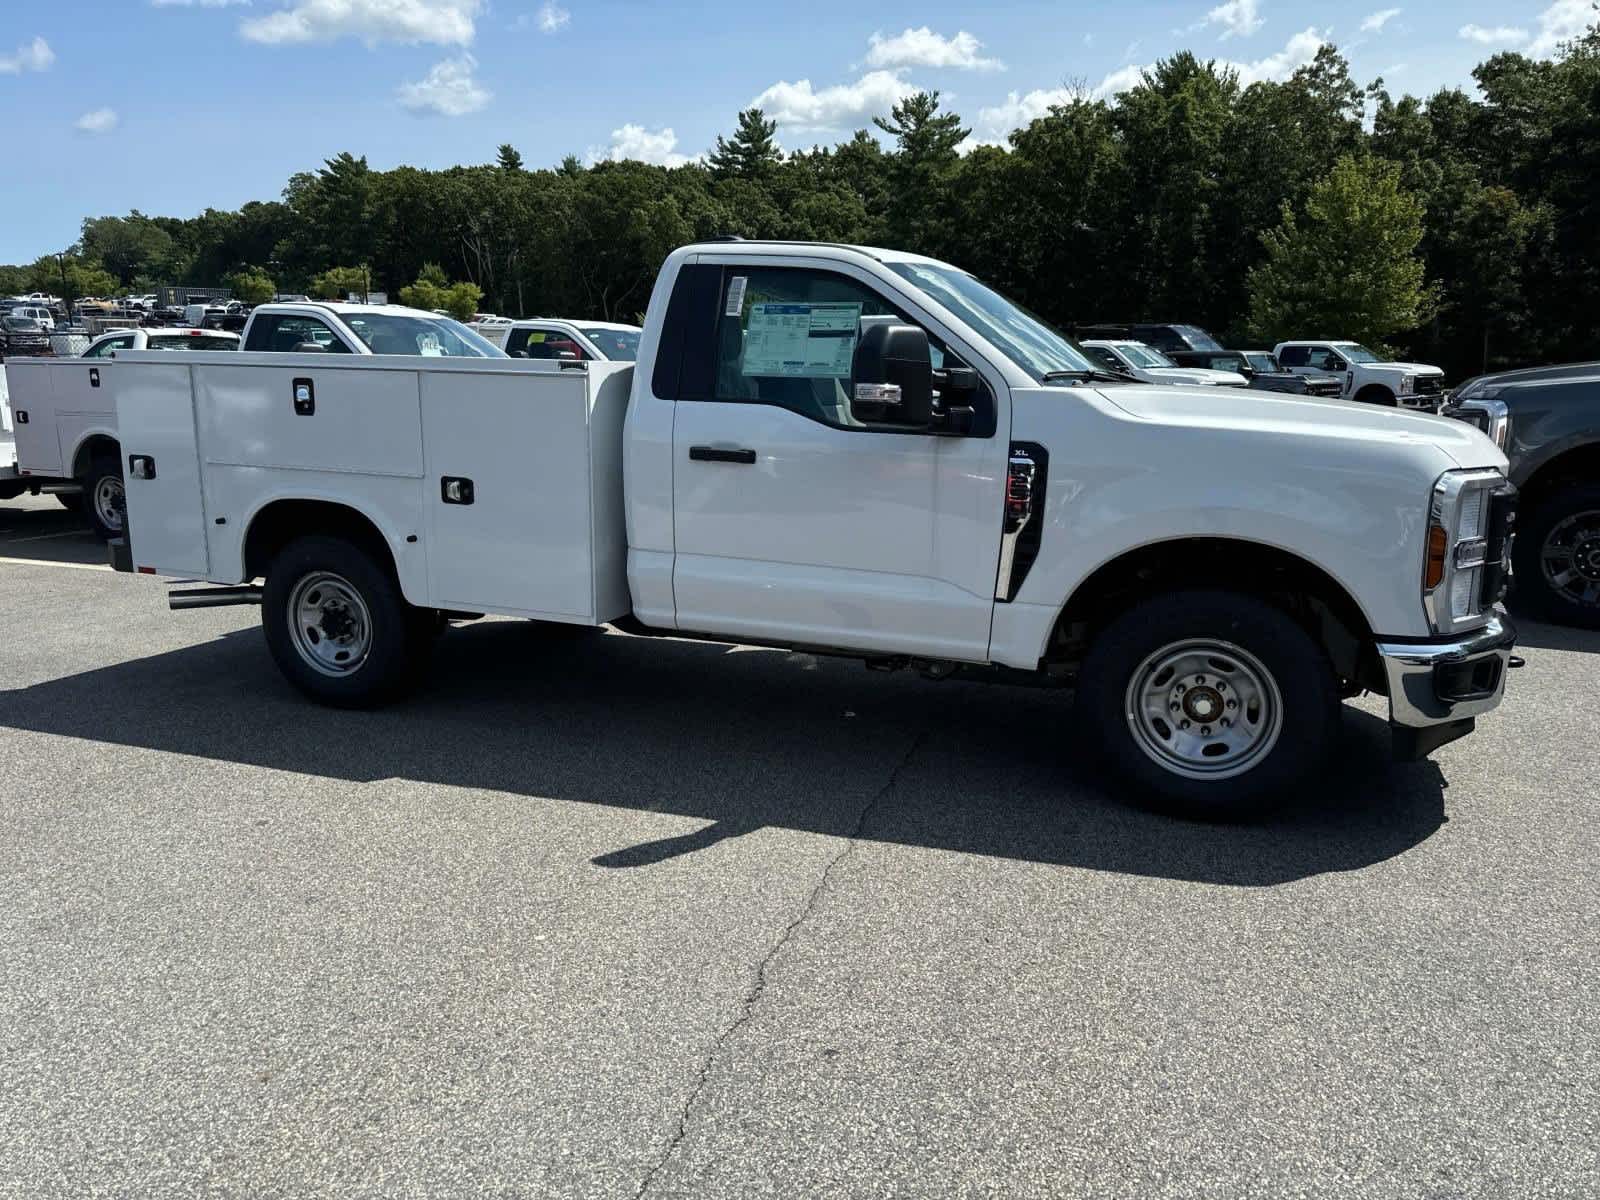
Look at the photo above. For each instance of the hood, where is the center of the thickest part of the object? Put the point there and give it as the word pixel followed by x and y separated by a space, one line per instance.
pixel 1299 416
pixel 1193 375
pixel 1408 367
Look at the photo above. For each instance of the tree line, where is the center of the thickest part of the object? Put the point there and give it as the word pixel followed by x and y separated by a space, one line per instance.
pixel 1459 228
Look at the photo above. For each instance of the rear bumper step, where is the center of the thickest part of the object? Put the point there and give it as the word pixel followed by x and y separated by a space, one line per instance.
pixel 214 597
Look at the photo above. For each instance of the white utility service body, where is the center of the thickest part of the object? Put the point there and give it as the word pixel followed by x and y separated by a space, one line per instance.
pixel 745 482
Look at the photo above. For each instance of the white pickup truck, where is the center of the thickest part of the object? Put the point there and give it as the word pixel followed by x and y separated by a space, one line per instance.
pixel 859 452
pixel 1366 377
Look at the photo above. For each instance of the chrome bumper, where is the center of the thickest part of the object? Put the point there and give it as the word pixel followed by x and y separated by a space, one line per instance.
pixel 1438 689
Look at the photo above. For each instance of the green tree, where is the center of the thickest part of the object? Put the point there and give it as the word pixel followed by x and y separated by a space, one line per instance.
pixel 429 289
pixel 920 172
pixel 252 285
pixel 1347 266
pixel 752 152
pixel 338 282
pixel 461 300
pixel 510 159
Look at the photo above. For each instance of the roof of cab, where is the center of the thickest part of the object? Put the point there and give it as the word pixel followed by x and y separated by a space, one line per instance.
pixel 778 246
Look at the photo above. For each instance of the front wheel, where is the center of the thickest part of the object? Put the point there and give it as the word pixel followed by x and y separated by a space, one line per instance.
pixel 1557 558
pixel 338 626
pixel 1214 704
pixel 105 501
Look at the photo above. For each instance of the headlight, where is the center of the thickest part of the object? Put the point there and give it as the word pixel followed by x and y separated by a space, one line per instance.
pixel 1408 384
pixel 1491 416
pixel 1469 530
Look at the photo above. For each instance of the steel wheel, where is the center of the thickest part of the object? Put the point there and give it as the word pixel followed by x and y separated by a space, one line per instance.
pixel 1570 558
pixel 329 623
pixel 110 501
pixel 1204 709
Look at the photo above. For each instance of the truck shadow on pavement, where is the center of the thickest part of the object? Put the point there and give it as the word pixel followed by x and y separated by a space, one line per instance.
pixel 742 739
pixel 40 528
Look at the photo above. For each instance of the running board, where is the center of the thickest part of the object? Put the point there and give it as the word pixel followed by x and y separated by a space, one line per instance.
pixel 214 597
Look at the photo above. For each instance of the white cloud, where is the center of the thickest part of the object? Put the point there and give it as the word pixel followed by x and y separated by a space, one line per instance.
pixel 30 56
pixel 448 89
pixel 635 142
pixel 1021 108
pixel 1238 18
pixel 801 106
pixel 552 18
pixel 199 3
pixel 925 48
pixel 1296 53
pixel 1563 21
pixel 1376 21
pixel 101 120
pixel 438 22
pixel 1500 35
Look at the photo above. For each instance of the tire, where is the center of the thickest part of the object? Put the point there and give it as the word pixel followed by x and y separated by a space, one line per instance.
pixel 1217 649
pixel 104 498
pixel 1374 394
pixel 325 596
pixel 1560 541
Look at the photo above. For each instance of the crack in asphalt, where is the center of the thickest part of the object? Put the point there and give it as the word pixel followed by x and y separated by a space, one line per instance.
pixel 747 1008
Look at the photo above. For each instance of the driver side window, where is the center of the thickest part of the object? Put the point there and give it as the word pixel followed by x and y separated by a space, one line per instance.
pixel 104 349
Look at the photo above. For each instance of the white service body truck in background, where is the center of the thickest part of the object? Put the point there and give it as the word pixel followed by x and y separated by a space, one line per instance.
pixel 861 452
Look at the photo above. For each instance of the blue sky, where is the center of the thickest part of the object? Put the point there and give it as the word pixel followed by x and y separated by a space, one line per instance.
pixel 172 106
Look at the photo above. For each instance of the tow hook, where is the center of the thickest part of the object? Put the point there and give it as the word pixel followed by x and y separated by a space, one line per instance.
pixel 1516 662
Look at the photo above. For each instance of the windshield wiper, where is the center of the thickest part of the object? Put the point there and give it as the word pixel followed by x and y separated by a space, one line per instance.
pixel 1087 376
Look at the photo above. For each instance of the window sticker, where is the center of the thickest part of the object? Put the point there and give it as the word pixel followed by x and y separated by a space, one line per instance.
pixel 804 341
pixel 536 338
pixel 736 296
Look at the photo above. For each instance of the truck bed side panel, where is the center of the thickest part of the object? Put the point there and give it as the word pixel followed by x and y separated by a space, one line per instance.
pixel 166 514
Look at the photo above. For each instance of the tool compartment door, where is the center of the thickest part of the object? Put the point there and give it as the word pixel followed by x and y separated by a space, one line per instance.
pixel 166 509
pixel 31 387
pixel 516 538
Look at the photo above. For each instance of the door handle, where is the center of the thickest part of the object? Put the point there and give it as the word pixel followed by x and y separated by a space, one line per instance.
pixel 455 490
pixel 722 454
pixel 305 397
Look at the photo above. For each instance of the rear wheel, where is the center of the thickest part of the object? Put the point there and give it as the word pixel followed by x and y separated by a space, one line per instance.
pixel 1215 704
pixel 104 500
pixel 338 626
pixel 1557 558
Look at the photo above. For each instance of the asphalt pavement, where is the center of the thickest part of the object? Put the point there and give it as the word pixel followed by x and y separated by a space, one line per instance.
pixel 599 916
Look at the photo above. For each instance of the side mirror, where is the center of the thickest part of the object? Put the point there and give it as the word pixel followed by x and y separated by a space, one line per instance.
pixel 519 354
pixel 893 375
pixel 309 348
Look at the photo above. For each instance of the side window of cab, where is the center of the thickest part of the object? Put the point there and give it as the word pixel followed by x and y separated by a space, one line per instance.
pixel 544 343
pixel 104 349
pixel 788 337
pixel 280 333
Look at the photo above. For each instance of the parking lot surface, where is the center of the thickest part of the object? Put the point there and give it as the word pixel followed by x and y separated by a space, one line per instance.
pixel 597 916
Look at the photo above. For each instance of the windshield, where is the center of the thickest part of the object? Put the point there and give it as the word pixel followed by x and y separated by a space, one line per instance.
pixel 1144 356
pixel 432 337
pixel 1197 337
pixel 1015 332
pixel 620 345
pixel 23 325
pixel 1262 362
pixel 1358 354
pixel 190 341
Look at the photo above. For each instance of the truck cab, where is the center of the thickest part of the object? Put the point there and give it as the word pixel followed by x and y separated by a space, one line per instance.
pixel 861 452
pixel 552 337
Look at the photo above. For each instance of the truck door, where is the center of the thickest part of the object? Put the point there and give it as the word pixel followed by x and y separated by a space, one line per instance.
pixel 796 522
pixel 32 384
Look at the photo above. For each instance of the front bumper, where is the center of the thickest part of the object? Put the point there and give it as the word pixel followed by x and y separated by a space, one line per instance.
pixel 1437 690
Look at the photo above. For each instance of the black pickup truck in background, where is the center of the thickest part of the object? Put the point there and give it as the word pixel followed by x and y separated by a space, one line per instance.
pixel 1261 369
pixel 1547 420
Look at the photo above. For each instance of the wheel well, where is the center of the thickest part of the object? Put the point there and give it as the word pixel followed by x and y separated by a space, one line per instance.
pixel 1308 594
pixel 1375 389
pixel 1579 465
pixel 93 448
pixel 280 522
